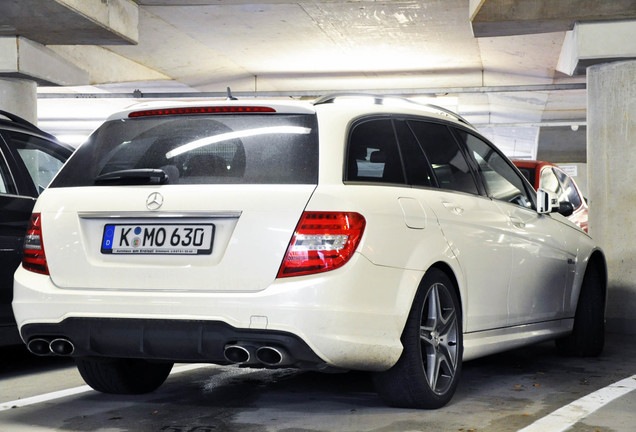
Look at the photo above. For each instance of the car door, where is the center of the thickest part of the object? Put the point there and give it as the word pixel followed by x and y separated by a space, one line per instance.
pixel 15 211
pixel 27 165
pixel 473 226
pixel 542 267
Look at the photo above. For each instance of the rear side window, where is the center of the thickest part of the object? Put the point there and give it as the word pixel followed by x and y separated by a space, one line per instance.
pixel 417 166
pixel 448 162
pixel 373 154
pixel 202 149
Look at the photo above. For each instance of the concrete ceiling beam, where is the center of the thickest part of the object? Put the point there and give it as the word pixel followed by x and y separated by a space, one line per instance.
pixel 593 43
pixel 71 22
pixel 516 17
pixel 25 59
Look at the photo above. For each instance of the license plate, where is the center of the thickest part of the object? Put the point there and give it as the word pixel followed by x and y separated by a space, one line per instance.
pixel 172 239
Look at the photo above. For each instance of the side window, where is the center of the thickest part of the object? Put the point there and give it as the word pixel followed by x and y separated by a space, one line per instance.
pixel 442 151
pixel 373 155
pixel 417 167
pixel 39 157
pixel 569 189
pixel 502 181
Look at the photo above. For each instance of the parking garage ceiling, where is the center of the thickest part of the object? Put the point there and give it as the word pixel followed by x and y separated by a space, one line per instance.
pixel 493 61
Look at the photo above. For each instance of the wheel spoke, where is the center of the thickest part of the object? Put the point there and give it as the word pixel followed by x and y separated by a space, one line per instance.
pixel 430 317
pixel 432 369
pixel 448 350
pixel 433 306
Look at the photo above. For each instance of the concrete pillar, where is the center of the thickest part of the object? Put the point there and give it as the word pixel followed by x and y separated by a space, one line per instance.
pixel 611 156
pixel 19 97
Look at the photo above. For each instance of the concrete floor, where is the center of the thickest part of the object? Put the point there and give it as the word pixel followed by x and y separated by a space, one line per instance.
pixel 505 392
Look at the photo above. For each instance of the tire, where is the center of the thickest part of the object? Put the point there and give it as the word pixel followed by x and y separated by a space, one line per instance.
pixel 427 372
pixel 588 334
pixel 123 376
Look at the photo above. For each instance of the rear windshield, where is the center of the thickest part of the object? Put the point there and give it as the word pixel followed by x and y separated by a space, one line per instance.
pixel 199 149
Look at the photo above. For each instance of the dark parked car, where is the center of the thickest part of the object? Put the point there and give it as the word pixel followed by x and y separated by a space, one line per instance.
pixel 29 159
pixel 550 177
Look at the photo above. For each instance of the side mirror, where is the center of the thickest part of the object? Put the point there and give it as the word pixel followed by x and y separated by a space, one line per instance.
pixel 547 202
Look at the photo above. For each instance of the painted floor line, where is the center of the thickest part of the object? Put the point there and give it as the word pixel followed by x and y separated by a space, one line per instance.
pixel 77 390
pixel 567 416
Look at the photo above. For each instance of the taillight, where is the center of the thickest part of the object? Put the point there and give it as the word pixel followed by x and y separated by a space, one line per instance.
pixel 34 258
pixel 202 110
pixel 323 241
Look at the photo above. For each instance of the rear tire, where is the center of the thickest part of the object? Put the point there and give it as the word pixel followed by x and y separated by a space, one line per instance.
pixel 428 370
pixel 123 376
pixel 588 334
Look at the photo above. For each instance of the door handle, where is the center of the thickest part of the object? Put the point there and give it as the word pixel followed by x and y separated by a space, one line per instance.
pixel 517 222
pixel 457 209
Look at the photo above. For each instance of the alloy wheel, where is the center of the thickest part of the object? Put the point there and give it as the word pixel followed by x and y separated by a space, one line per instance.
pixel 438 338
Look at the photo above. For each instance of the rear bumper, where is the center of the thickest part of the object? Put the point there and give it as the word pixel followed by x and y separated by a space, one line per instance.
pixel 173 340
pixel 349 318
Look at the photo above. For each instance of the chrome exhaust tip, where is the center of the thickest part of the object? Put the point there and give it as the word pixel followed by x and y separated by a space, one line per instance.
pixel 39 346
pixel 237 354
pixel 62 347
pixel 272 356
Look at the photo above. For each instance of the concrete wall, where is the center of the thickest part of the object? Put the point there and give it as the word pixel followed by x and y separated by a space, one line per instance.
pixel 611 155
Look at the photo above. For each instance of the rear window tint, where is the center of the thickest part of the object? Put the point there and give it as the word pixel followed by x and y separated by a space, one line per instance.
pixel 449 164
pixel 373 154
pixel 202 149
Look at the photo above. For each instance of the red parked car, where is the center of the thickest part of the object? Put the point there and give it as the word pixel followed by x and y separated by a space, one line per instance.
pixel 550 177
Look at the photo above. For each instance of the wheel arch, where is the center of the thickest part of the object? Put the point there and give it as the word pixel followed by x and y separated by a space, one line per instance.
pixel 407 383
pixel 587 337
pixel 448 270
pixel 597 259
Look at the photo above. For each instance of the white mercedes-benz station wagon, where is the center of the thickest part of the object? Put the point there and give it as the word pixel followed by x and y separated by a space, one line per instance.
pixel 353 232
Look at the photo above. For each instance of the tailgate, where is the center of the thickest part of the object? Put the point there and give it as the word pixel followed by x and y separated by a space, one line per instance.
pixel 213 238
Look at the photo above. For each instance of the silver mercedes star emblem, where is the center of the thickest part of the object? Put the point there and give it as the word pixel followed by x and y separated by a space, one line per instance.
pixel 154 201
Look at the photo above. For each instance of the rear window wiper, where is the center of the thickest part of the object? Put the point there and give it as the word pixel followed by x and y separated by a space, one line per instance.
pixel 137 176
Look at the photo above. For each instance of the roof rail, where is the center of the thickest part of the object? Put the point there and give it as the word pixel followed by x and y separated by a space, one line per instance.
pixel 330 98
pixel 445 111
pixel 25 124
